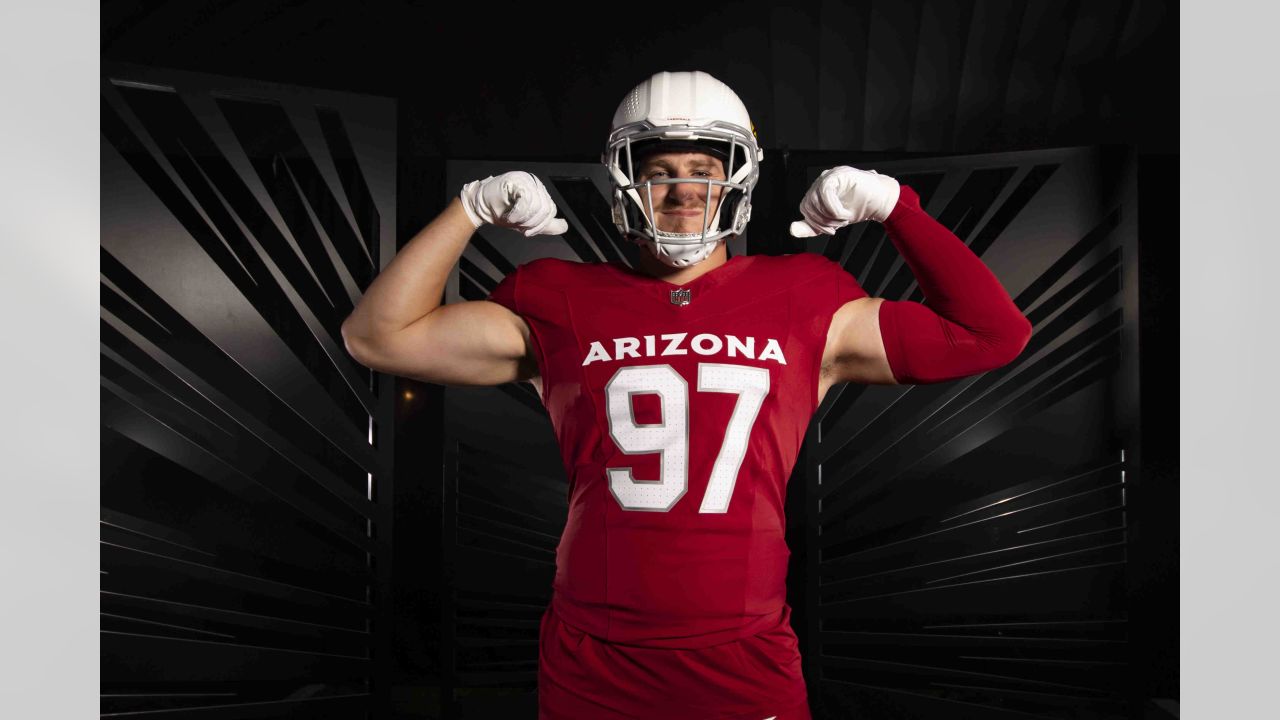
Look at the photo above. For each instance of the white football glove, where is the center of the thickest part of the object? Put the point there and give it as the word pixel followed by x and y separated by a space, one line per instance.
pixel 516 200
pixel 842 196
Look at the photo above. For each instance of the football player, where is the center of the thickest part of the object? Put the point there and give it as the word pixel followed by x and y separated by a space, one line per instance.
pixel 680 391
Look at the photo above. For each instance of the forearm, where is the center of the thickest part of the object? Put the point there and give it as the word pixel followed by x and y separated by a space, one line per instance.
pixel 412 284
pixel 970 324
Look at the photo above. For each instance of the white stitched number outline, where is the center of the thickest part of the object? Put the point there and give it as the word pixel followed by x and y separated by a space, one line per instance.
pixel 670 438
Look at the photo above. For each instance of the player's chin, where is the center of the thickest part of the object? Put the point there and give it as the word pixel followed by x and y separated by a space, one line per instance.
pixel 678 224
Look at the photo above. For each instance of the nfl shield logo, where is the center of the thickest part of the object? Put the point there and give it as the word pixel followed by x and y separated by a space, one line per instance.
pixel 681 296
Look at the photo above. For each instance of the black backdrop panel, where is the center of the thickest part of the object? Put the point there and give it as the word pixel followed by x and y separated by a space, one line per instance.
pixel 967 541
pixel 246 477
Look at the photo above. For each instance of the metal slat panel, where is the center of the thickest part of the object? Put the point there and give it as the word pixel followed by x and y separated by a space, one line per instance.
pixel 244 550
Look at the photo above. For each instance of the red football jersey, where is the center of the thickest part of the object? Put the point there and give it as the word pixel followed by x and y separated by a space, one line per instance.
pixel 680 411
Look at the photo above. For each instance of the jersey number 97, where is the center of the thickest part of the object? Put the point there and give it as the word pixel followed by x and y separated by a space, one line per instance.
pixel 670 438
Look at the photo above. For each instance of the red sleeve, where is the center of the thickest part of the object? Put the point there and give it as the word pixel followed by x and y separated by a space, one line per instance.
pixel 847 287
pixel 970 325
pixel 505 293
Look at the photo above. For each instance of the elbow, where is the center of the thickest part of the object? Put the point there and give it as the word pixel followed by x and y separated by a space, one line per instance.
pixel 1021 335
pixel 355 350
pixel 1010 342
pixel 356 345
pixel 348 329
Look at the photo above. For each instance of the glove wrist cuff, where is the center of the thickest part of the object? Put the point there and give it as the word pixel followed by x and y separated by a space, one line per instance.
pixel 908 203
pixel 468 196
pixel 892 191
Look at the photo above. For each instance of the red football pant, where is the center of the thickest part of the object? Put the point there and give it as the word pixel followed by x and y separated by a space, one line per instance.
pixel 755 678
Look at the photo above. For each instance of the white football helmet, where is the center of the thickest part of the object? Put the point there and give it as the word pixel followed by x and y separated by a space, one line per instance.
pixel 682 111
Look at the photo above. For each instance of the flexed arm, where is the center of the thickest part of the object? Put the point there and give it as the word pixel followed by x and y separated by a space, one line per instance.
pixel 970 324
pixel 399 326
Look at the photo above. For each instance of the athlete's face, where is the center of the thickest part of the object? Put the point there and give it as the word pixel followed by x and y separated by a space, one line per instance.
pixel 680 207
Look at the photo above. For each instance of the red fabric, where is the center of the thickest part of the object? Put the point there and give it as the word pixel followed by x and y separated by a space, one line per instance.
pixel 757 677
pixel 970 324
pixel 675 613
pixel 679 578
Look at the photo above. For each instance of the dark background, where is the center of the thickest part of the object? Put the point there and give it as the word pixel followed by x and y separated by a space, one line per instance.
pixel 889 79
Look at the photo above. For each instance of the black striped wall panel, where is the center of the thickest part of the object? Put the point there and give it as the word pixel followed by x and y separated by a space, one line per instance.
pixel 967 541
pixel 246 474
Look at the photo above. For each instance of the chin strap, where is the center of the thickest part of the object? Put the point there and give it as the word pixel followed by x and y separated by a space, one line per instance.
pixel 681 255
pixel 970 325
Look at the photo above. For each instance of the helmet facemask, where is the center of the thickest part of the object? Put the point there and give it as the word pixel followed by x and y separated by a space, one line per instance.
pixel 633 200
pixel 682 112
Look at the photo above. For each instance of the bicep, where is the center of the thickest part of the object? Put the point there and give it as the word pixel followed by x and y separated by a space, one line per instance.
pixel 855 347
pixel 467 343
